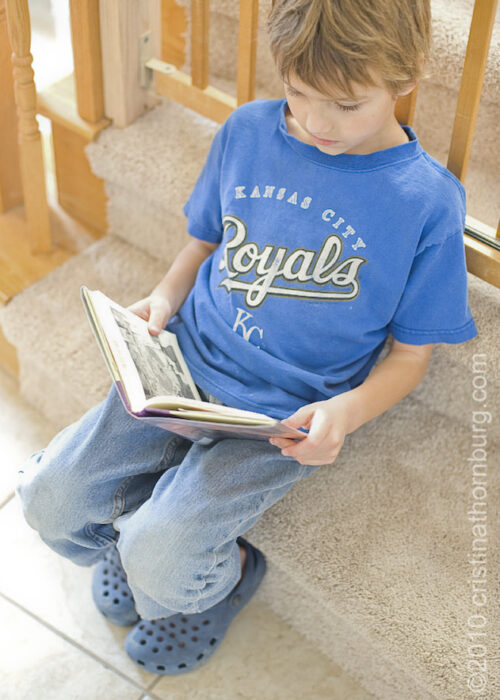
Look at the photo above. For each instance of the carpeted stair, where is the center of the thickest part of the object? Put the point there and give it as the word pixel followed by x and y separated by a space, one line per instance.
pixel 369 558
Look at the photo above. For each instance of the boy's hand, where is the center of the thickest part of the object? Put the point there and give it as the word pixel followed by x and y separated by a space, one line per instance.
pixel 328 424
pixel 155 309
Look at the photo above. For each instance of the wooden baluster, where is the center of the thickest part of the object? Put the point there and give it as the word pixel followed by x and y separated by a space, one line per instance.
pixel 11 188
pixel 199 43
pixel 405 107
pixel 86 43
pixel 247 50
pixel 471 85
pixel 173 33
pixel 30 143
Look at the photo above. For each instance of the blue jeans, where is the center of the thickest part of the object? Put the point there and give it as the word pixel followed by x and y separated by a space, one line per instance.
pixel 174 507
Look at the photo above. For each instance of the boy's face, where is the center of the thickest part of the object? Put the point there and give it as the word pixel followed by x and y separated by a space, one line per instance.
pixel 338 124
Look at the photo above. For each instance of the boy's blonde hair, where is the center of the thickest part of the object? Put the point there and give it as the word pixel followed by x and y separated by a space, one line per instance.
pixel 335 43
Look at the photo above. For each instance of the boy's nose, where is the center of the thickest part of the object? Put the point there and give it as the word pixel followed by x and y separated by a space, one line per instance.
pixel 318 124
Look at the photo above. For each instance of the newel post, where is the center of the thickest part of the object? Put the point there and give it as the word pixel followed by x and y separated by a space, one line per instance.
pixel 130 32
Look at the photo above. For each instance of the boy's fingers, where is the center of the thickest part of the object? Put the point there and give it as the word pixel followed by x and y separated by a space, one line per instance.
pixel 318 432
pixel 139 308
pixel 155 325
pixel 155 310
pixel 157 319
pixel 300 418
pixel 281 442
pixel 142 313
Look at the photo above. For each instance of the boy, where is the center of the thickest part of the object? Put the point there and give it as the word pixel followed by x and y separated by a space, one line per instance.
pixel 319 226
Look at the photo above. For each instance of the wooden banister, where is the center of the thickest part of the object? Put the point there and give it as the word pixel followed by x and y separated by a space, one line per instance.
pixel 30 144
pixel 194 91
pixel 173 33
pixel 405 108
pixel 247 50
pixel 199 43
pixel 11 188
pixel 471 85
pixel 86 43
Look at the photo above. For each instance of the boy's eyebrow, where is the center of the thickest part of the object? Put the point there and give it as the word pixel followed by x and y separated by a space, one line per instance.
pixel 338 98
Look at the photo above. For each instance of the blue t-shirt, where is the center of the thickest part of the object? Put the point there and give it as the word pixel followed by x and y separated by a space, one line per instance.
pixel 320 258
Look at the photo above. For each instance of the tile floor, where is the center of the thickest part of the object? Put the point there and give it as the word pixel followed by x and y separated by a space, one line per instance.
pixel 54 645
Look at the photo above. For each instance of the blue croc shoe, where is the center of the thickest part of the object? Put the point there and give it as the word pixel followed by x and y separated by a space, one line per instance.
pixel 183 642
pixel 111 592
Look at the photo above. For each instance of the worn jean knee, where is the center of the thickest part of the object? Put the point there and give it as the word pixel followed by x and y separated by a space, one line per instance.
pixel 53 504
pixel 41 493
pixel 169 567
pixel 28 491
pixel 94 470
pixel 179 548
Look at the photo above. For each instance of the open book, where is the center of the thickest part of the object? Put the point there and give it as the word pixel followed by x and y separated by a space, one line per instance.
pixel 155 384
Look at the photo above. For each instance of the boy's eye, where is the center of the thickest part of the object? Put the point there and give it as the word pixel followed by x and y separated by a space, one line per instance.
pixel 349 108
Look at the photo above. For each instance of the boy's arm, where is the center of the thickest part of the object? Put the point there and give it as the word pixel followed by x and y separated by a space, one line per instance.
pixel 394 378
pixel 168 296
pixel 330 421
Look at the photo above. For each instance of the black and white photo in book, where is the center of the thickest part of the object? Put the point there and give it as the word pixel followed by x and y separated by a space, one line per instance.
pixel 158 367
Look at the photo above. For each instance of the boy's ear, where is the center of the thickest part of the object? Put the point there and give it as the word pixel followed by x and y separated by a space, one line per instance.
pixel 406 91
pixel 411 86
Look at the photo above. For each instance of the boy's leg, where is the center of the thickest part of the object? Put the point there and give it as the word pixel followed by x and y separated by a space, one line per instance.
pixel 179 548
pixel 94 470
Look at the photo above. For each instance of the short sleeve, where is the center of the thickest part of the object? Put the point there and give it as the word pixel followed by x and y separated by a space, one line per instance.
pixel 203 208
pixel 433 307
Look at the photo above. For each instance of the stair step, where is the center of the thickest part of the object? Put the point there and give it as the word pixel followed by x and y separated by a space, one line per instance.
pixel 57 102
pixel 62 371
pixel 19 267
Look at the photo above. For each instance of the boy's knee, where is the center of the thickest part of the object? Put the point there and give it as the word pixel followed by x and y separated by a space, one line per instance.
pixel 29 489
pixel 45 501
pixel 169 568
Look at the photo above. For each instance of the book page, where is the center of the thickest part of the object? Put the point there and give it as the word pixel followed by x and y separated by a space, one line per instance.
pixel 148 365
pixel 99 335
pixel 159 402
pixel 226 418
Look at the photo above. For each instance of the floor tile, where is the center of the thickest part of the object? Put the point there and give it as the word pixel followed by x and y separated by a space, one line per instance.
pixel 262 657
pixel 58 592
pixel 37 663
pixel 22 432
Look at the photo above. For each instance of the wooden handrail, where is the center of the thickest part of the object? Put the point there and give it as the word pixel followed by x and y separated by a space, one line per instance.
pixel 30 143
